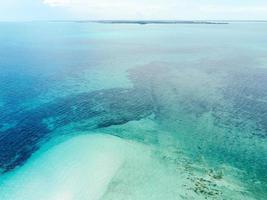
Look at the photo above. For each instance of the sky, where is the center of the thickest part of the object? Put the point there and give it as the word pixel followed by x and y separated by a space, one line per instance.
pixel 24 10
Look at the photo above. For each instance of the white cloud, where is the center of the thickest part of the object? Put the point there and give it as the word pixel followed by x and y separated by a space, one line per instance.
pixel 233 9
pixel 55 3
pixel 114 8
pixel 158 9
pixel 235 12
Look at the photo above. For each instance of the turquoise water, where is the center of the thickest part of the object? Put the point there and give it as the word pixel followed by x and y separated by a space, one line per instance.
pixel 114 111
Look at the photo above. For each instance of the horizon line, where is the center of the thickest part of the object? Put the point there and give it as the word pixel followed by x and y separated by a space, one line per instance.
pixel 137 20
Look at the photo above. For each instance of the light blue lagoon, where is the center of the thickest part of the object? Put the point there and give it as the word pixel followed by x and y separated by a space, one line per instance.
pixel 93 111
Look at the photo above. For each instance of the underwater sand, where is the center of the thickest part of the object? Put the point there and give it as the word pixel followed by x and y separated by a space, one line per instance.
pixel 96 166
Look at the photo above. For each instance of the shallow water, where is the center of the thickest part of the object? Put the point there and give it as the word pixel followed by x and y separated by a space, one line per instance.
pixel 110 111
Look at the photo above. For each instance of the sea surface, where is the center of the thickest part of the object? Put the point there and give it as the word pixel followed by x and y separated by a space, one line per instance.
pixel 92 111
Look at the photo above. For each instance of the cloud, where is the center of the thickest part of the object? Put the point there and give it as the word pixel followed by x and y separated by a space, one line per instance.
pixel 233 9
pixel 235 12
pixel 159 9
pixel 55 3
pixel 114 8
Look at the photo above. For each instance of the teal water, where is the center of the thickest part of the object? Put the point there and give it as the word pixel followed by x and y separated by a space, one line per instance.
pixel 114 111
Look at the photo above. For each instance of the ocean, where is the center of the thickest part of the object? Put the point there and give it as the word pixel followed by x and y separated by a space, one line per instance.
pixel 100 111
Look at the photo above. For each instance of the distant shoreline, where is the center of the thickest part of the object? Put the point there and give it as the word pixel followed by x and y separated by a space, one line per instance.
pixel 144 22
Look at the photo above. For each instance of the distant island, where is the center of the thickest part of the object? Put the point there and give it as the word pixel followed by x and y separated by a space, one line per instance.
pixel 144 22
